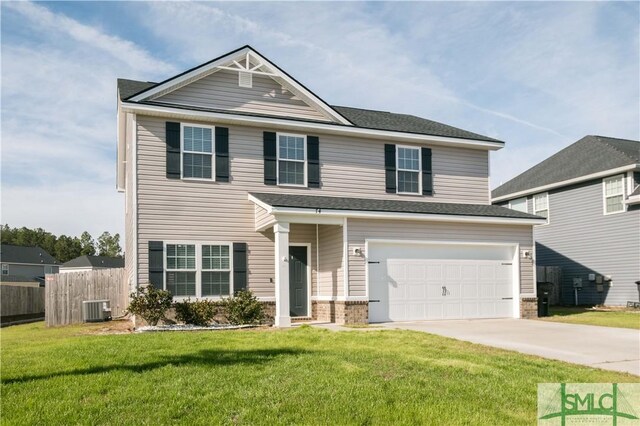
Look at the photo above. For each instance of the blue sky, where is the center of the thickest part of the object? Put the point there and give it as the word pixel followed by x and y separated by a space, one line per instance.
pixel 538 75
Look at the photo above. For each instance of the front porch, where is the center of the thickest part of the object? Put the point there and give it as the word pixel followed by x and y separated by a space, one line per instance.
pixel 310 274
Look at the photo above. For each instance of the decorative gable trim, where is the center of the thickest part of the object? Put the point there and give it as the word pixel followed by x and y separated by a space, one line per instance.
pixel 254 63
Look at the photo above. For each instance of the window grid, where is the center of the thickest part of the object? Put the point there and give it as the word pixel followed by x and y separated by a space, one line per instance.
pixel 614 194
pixel 541 205
pixel 408 170
pixel 197 152
pixel 292 160
pixel 198 269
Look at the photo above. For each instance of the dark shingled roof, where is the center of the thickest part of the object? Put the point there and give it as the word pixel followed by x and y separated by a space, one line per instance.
pixel 95 261
pixel 19 254
pixel 389 206
pixel 364 118
pixel 591 154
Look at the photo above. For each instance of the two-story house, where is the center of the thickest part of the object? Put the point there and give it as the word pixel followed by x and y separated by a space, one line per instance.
pixel 26 264
pixel 590 194
pixel 239 177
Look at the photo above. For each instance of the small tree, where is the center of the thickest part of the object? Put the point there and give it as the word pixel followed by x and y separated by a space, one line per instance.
pixel 150 303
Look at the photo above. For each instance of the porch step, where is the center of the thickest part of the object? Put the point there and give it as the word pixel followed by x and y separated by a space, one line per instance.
pixel 301 319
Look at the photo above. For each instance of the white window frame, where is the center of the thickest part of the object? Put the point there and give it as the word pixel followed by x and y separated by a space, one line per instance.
pixel 419 171
pixel 5 269
pixel 306 163
pixel 604 194
pixel 526 204
pixel 536 210
pixel 229 270
pixel 213 152
pixel 198 270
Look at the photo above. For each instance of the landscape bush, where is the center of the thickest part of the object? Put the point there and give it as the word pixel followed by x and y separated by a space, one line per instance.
pixel 150 303
pixel 198 312
pixel 243 308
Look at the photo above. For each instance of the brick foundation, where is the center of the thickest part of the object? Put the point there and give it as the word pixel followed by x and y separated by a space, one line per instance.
pixel 352 312
pixel 529 307
pixel 324 311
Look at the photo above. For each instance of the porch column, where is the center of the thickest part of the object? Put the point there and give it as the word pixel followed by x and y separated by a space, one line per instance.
pixel 283 315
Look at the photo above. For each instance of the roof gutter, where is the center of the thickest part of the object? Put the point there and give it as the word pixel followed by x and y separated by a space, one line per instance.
pixel 560 184
pixel 283 123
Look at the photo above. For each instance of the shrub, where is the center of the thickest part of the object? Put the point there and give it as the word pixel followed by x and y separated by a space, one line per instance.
pixel 243 308
pixel 150 303
pixel 199 312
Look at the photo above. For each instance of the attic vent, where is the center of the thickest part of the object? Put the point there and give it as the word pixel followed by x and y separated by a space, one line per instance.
pixel 245 79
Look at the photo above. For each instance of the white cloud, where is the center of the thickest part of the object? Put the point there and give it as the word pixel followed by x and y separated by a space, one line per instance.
pixel 58 121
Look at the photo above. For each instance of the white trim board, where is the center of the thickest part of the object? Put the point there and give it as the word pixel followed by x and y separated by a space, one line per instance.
pixel 293 125
pixel 573 181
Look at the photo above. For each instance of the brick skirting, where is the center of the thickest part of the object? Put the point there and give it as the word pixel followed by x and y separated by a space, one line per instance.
pixel 529 307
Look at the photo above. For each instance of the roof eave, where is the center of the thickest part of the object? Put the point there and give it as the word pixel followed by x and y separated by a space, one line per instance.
pixel 283 123
pixel 585 178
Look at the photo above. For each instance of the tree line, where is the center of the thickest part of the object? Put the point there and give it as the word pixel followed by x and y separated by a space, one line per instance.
pixel 63 247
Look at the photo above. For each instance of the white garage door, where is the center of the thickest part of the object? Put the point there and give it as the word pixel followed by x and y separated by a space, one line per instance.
pixel 409 282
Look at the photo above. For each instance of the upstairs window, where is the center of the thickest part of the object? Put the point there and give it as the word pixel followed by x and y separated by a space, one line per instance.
pixel 519 204
pixel 292 160
pixel 197 152
pixel 408 169
pixel 541 205
pixel 613 194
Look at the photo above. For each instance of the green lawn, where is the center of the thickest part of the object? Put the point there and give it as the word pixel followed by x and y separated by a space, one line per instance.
pixel 298 376
pixel 578 315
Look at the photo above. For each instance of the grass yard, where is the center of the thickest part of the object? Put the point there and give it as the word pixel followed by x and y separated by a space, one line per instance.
pixel 578 315
pixel 299 376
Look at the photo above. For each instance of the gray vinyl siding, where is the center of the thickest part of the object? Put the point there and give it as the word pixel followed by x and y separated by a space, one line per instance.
pixel 330 270
pixel 262 217
pixel 582 240
pixel 220 90
pixel 172 209
pixel 360 230
pixel 29 271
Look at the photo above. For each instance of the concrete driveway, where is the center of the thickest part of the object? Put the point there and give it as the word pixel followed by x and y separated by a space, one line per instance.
pixel 609 348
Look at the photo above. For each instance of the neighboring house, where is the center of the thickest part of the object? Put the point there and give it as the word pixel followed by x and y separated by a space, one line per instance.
pixel 590 194
pixel 20 280
pixel 239 177
pixel 27 262
pixel 91 263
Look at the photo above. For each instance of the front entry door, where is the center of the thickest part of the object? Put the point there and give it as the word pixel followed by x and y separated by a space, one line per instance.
pixel 298 296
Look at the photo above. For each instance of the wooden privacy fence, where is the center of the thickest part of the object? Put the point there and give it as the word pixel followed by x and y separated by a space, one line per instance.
pixel 65 293
pixel 19 302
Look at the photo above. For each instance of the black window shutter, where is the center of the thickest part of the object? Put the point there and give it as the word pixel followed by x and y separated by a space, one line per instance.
pixel 270 158
pixel 427 175
pixel 390 167
pixel 239 266
pixel 313 159
pixel 156 264
pixel 173 150
pixel 222 154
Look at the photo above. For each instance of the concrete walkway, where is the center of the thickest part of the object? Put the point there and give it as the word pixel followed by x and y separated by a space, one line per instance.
pixel 609 348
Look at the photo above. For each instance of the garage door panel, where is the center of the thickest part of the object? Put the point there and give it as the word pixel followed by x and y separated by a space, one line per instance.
pixel 419 289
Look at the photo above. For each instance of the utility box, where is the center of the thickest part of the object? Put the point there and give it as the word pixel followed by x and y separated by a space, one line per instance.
pixel 577 283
